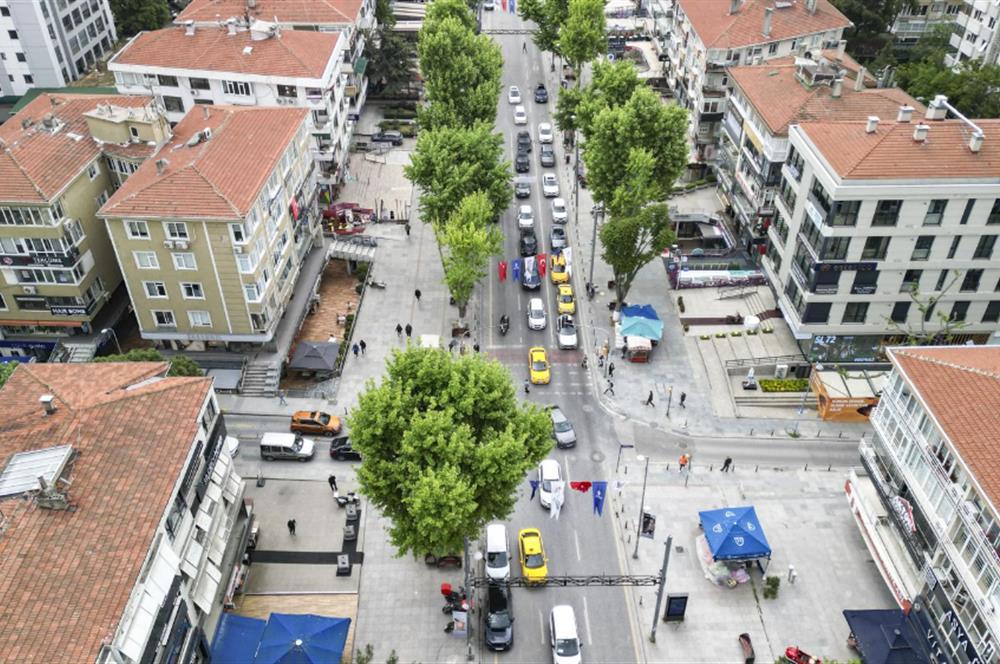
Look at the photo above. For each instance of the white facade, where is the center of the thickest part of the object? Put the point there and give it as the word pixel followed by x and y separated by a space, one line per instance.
pixel 50 43
pixel 912 22
pixel 976 36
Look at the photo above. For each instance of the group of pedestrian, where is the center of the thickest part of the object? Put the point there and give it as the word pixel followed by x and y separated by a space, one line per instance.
pixel 359 347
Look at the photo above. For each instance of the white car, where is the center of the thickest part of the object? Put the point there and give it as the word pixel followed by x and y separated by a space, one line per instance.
pixel 566 331
pixel 545 133
pixel 563 635
pixel 559 213
pixel 549 471
pixel 514 95
pixel 536 314
pixel 550 186
pixel 520 115
pixel 525 218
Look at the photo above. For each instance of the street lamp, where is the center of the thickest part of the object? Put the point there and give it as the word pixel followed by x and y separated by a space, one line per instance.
pixel 642 503
pixel 802 404
pixel 113 336
pixel 622 446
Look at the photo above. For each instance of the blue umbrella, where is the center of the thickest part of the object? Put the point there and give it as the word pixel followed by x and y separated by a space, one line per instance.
pixel 302 639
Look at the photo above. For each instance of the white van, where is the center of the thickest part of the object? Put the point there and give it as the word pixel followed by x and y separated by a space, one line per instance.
pixel 497 552
pixel 563 635
pixel 286 446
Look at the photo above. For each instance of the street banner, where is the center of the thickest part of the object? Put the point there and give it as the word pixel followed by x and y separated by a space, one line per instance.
pixel 512 9
pixel 534 489
pixel 516 265
pixel 502 270
pixel 582 487
pixel 600 490
pixel 648 526
pixel 461 619
pixel 558 495
pixel 503 4
pixel 540 259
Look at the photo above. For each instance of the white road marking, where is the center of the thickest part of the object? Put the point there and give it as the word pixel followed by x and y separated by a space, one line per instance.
pixel 576 540
pixel 586 621
pixel 541 626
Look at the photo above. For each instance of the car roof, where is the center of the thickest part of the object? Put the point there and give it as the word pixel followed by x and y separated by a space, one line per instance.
pixel 557 413
pixel 549 176
pixel 547 467
pixel 565 287
pixel 535 301
pixel 525 208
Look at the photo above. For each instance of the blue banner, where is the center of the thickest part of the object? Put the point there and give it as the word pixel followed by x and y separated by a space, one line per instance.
pixel 534 489
pixel 600 490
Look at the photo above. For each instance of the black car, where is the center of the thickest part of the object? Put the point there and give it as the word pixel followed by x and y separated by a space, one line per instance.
pixel 522 189
pixel 528 244
pixel 546 155
pixel 521 163
pixel 499 634
pixel 541 94
pixel 523 141
pixel 341 450
pixel 393 137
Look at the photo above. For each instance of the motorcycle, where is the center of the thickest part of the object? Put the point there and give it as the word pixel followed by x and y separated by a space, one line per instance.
pixel 454 599
pixel 351 497
pixel 504 324
pixel 377 284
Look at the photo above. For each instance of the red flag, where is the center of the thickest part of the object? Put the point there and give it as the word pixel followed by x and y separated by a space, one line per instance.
pixel 502 268
pixel 541 265
pixel 582 487
pixel 503 3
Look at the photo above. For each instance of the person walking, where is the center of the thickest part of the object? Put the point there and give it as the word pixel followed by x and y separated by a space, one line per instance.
pixel 291 527
pixel 527 386
pixel 649 399
pixel 611 370
pixel 417 294
pixel 356 348
pixel 727 465
pixel 333 483
pixel 363 346
pixel 409 330
pixel 281 398
pixel 610 388
pixel 475 347
pixel 451 345
pixel 524 47
pixel 399 330
pixel 683 461
pixel 406 227
pixel 684 397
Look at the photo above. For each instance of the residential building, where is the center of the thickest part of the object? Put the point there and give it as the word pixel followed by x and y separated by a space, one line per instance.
pixel 50 43
pixel 975 35
pixel 263 66
pixel 928 501
pixel 61 157
pixel 763 101
pixel 707 36
pixel 921 16
pixel 889 232
pixel 211 232
pixel 123 518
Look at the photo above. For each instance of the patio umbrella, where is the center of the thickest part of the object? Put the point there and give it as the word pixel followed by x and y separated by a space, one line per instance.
pixel 302 639
pixel 751 323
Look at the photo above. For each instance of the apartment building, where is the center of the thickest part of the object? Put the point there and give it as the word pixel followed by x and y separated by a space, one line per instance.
pixel 211 232
pixel 50 43
pixel 763 101
pixel 928 500
pixel 876 220
pixel 975 35
pixel 123 518
pixel 61 158
pixel 183 67
pixel 923 15
pixel 708 36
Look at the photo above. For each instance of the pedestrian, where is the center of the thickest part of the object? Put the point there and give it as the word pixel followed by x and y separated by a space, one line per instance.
pixel 683 461
pixel 417 294
pixel 451 345
pixel 683 397
pixel 399 330
pixel 363 346
pixel 649 399
pixel 727 465
pixel 291 527
pixel 611 370
pixel 409 330
pixel 475 347
pixel 527 386
pixel 610 388
pixel 583 364
pixel 407 229
pixel 281 398
pixel 356 348
pixel 524 47
pixel 333 483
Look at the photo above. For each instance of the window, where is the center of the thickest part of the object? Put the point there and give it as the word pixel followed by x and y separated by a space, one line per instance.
pixel 994 217
pixel 772 48
pixel 12 34
pixel 170 81
pixel 865 282
pixel 184 261
pixel 970 284
pixel 845 213
pixel 835 248
pixel 875 249
pixel 173 104
pixel 954 246
pixel 200 319
pixel 794 162
pixel 922 249
pixel 102 198
pixel 92 171
pixel 137 230
pixel 28 78
pixel 192 291
pixel 176 230
pixel 959 310
pixel 314 93
pixel 967 211
pixel 855 312
pixel 941 279
pixel 935 212
pixel 146 260
pixel 155 289
pixel 20 57
pixel 253 292
pixel 4 11
pixel 164 319
pixel 199 84
pixel 992 313
pixel 985 247
pixel 899 312
pixel 236 88
pixel 288 91
pixel 817 312
pixel 886 213
pixel 238 233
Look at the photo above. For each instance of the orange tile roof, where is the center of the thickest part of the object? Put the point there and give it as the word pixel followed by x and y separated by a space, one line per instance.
pixel 890 153
pixel 300 12
pixel 717 28
pixel 961 387
pixel 35 164
pixel 781 98
pixel 65 576
pixel 296 53
pixel 216 179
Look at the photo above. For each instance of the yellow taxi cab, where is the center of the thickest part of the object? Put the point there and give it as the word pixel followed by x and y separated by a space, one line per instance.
pixel 557 269
pixel 538 365
pixel 315 422
pixel 567 303
pixel 534 564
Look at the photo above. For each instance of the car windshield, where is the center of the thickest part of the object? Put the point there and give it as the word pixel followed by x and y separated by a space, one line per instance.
pixel 496 558
pixel 567 647
pixel 498 620
pixel 563 425
pixel 565 297
pixel 568 328
pixel 538 365
pixel 534 561
pixel 297 445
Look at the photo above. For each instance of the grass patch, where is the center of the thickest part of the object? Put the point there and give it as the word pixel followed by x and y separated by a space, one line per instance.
pixel 784 384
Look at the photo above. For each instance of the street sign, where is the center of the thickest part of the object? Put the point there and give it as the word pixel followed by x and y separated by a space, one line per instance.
pixel 676 607
pixel 648 525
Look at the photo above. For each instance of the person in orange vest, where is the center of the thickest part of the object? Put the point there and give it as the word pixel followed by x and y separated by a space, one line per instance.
pixel 684 461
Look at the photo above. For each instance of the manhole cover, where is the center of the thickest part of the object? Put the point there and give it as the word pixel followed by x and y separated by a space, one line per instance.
pixel 597 457
pixel 683 446
pixel 587 408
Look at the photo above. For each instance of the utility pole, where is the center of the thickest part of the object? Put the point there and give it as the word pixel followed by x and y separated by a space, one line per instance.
pixel 599 211
pixel 468 614
pixel 642 504
pixel 670 399
pixel 663 587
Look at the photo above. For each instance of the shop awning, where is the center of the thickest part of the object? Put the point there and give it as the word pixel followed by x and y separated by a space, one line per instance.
pixel 887 636
pixel 734 533
pixel 283 637
pixel 236 638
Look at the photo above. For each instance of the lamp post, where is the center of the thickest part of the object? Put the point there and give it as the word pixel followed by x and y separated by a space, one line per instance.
pixel 597 211
pixel 113 336
pixel 802 404
pixel 622 446
pixel 642 503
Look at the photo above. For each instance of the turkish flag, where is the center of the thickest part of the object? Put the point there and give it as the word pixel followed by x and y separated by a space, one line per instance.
pixel 582 487
pixel 502 268
pixel 541 265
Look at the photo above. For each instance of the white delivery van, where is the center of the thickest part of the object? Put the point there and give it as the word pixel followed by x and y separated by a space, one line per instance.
pixel 497 553
pixel 563 636
pixel 286 446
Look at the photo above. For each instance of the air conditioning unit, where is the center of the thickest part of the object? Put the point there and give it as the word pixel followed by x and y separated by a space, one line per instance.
pixel 781 371
pixel 29 290
pixel 181 244
pixel 168 244
pixel 237 249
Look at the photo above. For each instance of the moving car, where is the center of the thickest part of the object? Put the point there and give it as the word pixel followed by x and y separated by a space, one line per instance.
pixel 527 244
pixel 541 94
pixel 557 238
pixel 530 280
pixel 497 552
pixel 499 633
pixel 563 635
pixel 315 421
pixel 562 429
pixel 566 332
pixel 488 5
pixel 520 115
pixel 549 472
pixel 523 190
pixel 534 564
pixel 524 141
pixel 550 186
pixel 545 132
pixel 557 269
pixel 525 218
pixel 537 320
pixel 391 136
pixel 546 156
pixel 341 450
pixel 514 95
pixel 521 162
pixel 538 365
pixel 567 303
pixel 559 213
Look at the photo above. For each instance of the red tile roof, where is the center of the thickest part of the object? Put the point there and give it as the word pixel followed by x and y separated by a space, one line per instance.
pixel 890 153
pixel 300 12
pixel 65 576
pixel 961 387
pixel 219 178
pixel 296 53
pixel 35 164
pixel 717 28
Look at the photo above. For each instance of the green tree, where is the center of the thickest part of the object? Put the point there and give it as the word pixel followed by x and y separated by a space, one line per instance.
pixel 583 36
pixel 468 239
pixel 440 10
pixel 629 242
pixel 448 164
pixel 391 57
pixel 6 369
pixel 383 14
pixel 971 87
pixel 446 443
pixel 549 16
pixel 180 365
pixel 872 20
pixel 133 16
pixel 945 328
pixel 611 85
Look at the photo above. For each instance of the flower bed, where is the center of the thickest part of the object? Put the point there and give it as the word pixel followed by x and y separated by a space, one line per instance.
pixel 784 384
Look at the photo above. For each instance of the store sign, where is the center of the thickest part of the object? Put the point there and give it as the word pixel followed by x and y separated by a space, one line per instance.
pixel 68 311
pixel 953 631
pixel 863 290
pixel 904 510
pixel 845 267
pixel 38 261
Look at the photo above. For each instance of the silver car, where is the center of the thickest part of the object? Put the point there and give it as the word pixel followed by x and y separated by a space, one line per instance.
pixel 536 314
pixel 566 332
pixel 562 429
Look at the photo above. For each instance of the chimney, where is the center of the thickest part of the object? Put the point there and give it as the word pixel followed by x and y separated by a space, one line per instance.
pixel 937 109
pixel 920 133
pixel 905 114
pixel 231 24
pixel 841 45
pixel 836 88
pixel 872 124
pixel 161 166
pixel 859 82
pixel 189 28
pixel 734 6
pixel 976 142
pixel 766 30
pixel 48 403
pixel 204 111
pixel 811 6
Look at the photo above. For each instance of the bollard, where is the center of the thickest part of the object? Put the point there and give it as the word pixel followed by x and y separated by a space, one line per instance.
pixel 807 466
pixel 791 574
pixel 751 431
pixel 260 477
pixel 819 432
pixel 756 468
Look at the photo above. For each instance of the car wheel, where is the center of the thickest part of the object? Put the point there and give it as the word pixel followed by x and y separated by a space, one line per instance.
pixel 303 460
pixel 269 458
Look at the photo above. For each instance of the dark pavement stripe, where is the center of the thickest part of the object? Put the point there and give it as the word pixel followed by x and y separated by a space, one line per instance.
pixel 305 557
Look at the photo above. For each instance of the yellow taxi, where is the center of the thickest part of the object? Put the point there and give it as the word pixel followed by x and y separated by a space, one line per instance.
pixel 567 303
pixel 538 365
pixel 557 269
pixel 534 564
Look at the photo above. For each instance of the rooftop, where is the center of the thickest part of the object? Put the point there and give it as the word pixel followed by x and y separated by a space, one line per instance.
pixel 717 28
pixel 215 178
pixel 960 386
pixel 300 12
pixel 65 576
pixel 36 161
pixel 292 53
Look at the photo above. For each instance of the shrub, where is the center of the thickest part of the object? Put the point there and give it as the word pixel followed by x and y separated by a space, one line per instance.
pixel 345 342
pixel 686 327
pixel 362 272
pixel 705 337
pixel 771 585
pixel 720 335
pixel 784 384
pixel 736 333
pixel 768 330
pixel 680 303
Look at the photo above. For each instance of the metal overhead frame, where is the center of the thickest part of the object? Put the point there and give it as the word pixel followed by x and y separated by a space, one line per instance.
pixel 507 31
pixel 569 581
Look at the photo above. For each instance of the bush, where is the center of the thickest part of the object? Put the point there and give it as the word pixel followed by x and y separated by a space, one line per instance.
pixel 680 303
pixel 180 365
pixel 345 342
pixel 771 585
pixel 362 272
pixel 736 333
pixel 784 384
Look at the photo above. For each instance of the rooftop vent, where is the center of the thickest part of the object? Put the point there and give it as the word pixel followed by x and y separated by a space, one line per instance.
pixel 766 28
pixel 872 125
pixel 231 25
pixel 189 28
pixel 161 166
pixel 27 122
pixel 251 4
pixel 48 403
pixel 859 82
pixel 734 6
pixel 937 109
pixel 811 6
pixel 905 114
pixel 841 45
pixel 247 50
pixel 976 141
pixel 837 88
pixel 920 132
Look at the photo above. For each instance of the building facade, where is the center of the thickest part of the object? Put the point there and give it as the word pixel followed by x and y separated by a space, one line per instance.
pixel 708 36
pixel 927 500
pixel 183 67
pixel 975 35
pixel 914 21
pixel 885 231
pixel 61 158
pixel 211 232
pixel 50 43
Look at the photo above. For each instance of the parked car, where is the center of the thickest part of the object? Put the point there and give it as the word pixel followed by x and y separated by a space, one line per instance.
pixel 546 156
pixel 549 472
pixel 562 428
pixel 527 244
pixel 557 238
pixel 520 115
pixel 499 633
pixel 541 94
pixel 274 445
pixel 550 186
pixel 559 213
pixel 537 320
pixel 522 190
pixel 394 137
pixel 563 635
pixel 523 141
pixel 341 450
pixel 566 332
pixel 545 132
pixel 315 422
pixel 521 162
pixel 497 552
pixel 525 218
pixel 488 5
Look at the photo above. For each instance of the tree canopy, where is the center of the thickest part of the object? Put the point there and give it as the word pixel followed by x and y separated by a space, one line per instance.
pixel 548 16
pixel 445 445
pixel 180 365
pixel 872 21
pixel 611 85
pixel 390 53
pixel 134 16
pixel 583 35
pixel 6 369
pixel 469 239
pixel 631 241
